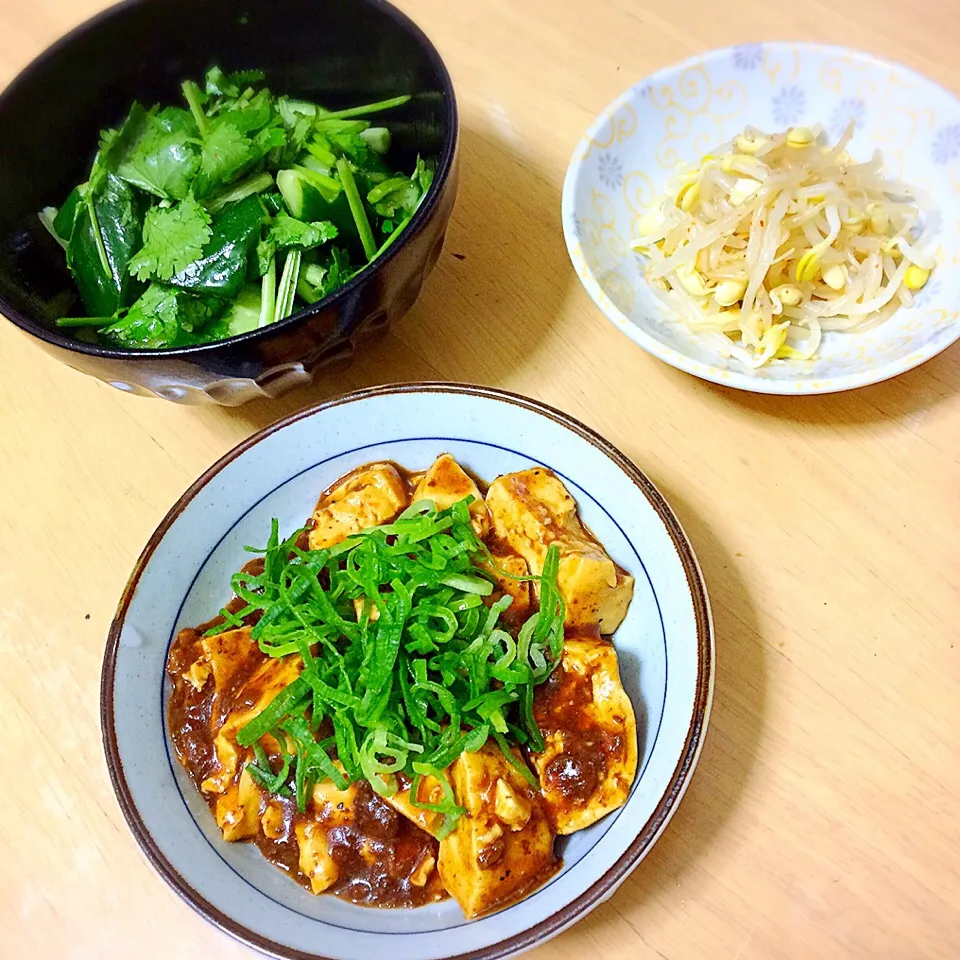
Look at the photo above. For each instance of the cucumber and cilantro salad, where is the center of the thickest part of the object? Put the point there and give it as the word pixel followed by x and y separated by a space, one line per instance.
pixel 202 222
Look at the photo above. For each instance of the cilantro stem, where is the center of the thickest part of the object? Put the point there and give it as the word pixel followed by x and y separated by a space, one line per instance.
pixel 191 92
pixel 268 294
pixel 288 284
pixel 85 321
pixel 366 108
pixel 393 236
pixel 356 208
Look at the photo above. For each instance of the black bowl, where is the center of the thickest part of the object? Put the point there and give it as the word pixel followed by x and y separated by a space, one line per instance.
pixel 339 52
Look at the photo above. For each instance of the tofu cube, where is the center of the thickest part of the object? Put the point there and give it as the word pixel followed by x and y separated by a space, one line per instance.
pixel 588 724
pixel 446 483
pixel 532 509
pixel 315 861
pixel 367 498
pixel 513 566
pixel 486 862
pixel 429 791
pixel 238 809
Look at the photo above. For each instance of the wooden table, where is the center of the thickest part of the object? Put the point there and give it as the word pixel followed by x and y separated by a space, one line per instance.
pixel 824 818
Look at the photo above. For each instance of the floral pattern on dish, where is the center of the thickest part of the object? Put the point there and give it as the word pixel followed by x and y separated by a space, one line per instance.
pixel 748 56
pixel 946 145
pixel 789 104
pixel 847 109
pixel 610 171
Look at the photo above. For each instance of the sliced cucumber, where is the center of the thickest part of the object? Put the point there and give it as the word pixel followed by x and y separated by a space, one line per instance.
pixel 244 314
pixel 377 139
pixel 311 196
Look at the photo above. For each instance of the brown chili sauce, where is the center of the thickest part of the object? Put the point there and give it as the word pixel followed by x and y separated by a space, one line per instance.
pixel 560 705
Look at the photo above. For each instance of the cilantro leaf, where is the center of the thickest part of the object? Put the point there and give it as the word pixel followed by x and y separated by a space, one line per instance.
pixel 226 152
pixel 331 275
pixel 398 195
pixel 177 120
pixel 289 232
pixel 351 144
pixel 173 237
pixel 270 137
pixel 249 115
pixel 154 154
pixel 102 160
pixel 160 317
pixel 220 84
pixel 221 269
pixel 423 175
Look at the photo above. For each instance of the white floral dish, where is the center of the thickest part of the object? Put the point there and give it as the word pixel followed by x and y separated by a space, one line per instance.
pixel 665 647
pixel 680 113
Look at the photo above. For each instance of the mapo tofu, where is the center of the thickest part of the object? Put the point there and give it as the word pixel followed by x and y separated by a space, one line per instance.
pixel 356 710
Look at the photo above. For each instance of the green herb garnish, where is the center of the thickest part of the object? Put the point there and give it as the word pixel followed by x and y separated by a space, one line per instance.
pixel 423 673
pixel 236 194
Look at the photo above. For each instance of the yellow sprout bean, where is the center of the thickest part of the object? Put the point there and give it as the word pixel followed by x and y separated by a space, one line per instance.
pixel 916 277
pixel 788 294
pixel 729 292
pixel 692 281
pixel 799 137
pixel 773 339
pixel 835 276
pixel 807 266
pixel 688 196
pixel 748 143
pixel 879 220
pixel 649 223
pixel 744 187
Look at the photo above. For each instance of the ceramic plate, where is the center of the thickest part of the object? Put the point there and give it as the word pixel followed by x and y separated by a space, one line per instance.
pixel 678 114
pixel 665 647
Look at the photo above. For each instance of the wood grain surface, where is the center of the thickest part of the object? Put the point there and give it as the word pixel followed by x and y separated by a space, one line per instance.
pixel 824 819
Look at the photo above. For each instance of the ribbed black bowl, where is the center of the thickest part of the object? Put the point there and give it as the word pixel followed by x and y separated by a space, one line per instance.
pixel 339 52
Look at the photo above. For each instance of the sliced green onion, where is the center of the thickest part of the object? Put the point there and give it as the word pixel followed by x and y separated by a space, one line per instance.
pixel 435 675
pixel 290 697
